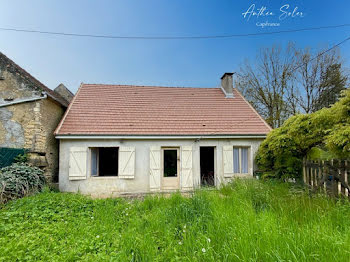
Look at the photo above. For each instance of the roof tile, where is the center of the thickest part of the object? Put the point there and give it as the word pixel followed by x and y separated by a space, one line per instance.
pixel 153 110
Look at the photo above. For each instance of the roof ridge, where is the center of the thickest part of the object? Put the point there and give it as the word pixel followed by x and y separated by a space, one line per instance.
pixel 89 84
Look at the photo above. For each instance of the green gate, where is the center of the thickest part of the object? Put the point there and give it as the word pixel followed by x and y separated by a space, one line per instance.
pixel 7 155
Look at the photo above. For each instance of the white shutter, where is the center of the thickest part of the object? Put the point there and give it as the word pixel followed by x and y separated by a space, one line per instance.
pixel 77 163
pixel 186 168
pixel 227 155
pixel 126 162
pixel 154 168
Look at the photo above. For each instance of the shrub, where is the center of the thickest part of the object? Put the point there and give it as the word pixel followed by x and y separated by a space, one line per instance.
pixel 21 158
pixel 19 180
pixel 320 153
pixel 284 148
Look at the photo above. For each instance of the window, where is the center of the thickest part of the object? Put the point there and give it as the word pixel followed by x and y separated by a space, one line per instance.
pixel 244 160
pixel 170 162
pixel 236 165
pixel 104 161
pixel 240 160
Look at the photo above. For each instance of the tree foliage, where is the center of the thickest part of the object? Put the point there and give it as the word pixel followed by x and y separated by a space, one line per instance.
pixel 333 81
pixel 284 148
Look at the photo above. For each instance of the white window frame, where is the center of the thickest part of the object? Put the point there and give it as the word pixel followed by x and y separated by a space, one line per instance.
pixel 240 159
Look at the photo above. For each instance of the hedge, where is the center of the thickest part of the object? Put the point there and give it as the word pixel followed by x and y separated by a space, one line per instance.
pixel 285 147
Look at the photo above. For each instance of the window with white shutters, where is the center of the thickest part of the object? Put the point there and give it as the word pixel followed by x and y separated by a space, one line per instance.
pixel 104 161
pixel 236 160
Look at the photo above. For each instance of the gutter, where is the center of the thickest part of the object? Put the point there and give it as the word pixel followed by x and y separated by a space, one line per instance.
pixel 24 100
pixel 143 137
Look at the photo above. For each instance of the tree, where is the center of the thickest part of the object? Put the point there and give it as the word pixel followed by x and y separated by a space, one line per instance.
pixel 318 75
pixel 265 84
pixel 333 81
pixel 284 82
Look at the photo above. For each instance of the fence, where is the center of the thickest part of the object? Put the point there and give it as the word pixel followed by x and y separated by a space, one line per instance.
pixel 7 155
pixel 330 177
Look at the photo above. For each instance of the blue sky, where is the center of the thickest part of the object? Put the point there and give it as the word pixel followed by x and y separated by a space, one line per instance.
pixel 72 60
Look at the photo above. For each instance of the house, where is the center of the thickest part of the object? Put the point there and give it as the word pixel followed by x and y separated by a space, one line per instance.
pixel 119 139
pixel 29 113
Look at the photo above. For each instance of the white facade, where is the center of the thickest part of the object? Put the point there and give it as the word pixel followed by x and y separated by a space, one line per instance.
pixel 141 165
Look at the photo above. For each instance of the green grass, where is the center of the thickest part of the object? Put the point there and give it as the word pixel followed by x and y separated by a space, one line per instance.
pixel 246 221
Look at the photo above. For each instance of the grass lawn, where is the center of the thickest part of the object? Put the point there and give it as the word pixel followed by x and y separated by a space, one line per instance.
pixel 246 221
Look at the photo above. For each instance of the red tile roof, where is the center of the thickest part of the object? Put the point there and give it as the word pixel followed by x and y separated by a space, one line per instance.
pixel 152 110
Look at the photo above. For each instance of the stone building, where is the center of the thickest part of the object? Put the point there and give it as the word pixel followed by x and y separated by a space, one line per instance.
pixel 29 113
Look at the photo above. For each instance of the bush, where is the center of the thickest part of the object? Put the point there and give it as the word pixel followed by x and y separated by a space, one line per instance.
pixel 285 147
pixel 21 158
pixel 19 180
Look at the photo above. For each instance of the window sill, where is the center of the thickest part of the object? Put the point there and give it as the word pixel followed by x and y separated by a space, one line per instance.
pixel 104 177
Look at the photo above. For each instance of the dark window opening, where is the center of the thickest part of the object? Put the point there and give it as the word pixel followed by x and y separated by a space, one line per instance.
pixel 104 161
pixel 207 166
pixel 170 163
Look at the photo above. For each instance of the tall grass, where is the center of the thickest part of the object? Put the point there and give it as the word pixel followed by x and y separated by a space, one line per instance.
pixel 247 220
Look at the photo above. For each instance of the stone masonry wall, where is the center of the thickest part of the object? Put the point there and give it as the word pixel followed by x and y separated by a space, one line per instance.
pixel 51 115
pixel 29 125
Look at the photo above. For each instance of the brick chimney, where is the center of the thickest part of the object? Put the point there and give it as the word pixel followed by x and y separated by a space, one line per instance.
pixel 227 85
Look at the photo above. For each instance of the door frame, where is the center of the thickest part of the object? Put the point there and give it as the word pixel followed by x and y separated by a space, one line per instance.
pixel 215 164
pixel 177 179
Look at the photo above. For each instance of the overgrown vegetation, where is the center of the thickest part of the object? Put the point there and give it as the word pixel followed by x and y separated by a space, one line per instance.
pixel 245 221
pixel 329 128
pixel 18 180
pixel 21 158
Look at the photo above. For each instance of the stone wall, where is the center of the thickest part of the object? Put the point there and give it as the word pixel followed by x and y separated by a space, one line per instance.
pixel 12 86
pixel 29 124
pixel 51 114
pixel 17 122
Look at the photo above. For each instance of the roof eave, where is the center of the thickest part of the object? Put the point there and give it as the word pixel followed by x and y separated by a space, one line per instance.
pixel 159 136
